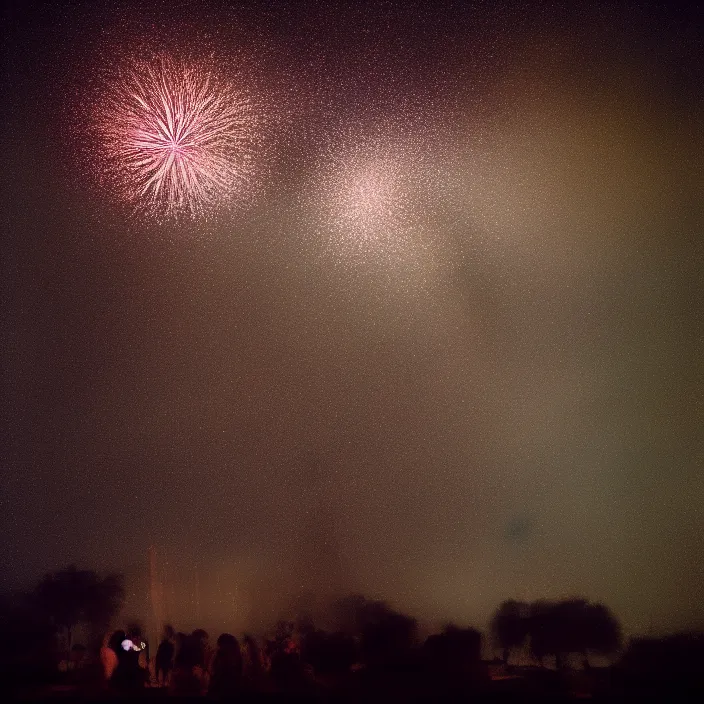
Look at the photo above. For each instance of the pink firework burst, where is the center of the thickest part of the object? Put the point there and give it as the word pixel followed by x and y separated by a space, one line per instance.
pixel 177 139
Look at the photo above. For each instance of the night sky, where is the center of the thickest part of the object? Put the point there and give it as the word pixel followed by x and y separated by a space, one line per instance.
pixel 448 350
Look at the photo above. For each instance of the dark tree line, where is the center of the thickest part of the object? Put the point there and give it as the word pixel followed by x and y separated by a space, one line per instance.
pixel 72 596
pixel 31 622
pixel 383 647
pixel 555 629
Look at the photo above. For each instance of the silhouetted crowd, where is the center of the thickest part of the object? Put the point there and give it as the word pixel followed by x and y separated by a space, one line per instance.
pixel 190 665
pixel 296 660
pixel 186 664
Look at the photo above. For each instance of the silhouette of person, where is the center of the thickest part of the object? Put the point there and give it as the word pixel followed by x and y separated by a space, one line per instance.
pixel 188 664
pixel 286 665
pixel 226 676
pixel 253 667
pixel 128 677
pixel 164 661
pixel 108 654
pixel 205 653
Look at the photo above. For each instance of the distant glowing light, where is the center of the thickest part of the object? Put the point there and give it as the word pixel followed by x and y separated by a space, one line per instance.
pixel 370 196
pixel 367 199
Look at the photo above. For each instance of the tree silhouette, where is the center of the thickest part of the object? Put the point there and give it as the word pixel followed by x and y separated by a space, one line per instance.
pixel 384 634
pixel 602 631
pixel 71 596
pixel 572 626
pixel 455 651
pixel 27 646
pixel 667 668
pixel 104 600
pixel 329 653
pixel 284 631
pixel 350 613
pixel 451 663
pixel 387 635
pixel 510 626
pixel 545 631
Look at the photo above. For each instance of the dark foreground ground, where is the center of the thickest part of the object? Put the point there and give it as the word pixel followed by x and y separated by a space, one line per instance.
pixel 673 696
pixel 609 685
pixel 496 693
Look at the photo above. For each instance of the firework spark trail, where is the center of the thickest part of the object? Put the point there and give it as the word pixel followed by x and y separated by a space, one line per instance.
pixel 177 140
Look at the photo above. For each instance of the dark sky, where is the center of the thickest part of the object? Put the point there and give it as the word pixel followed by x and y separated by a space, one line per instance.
pixel 483 382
